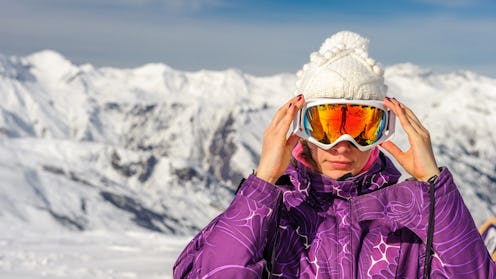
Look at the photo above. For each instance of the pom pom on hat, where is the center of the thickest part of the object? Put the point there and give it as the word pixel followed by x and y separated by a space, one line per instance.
pixel 342 69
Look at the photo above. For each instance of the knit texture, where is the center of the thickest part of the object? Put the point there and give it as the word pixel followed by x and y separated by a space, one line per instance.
pixel 342 69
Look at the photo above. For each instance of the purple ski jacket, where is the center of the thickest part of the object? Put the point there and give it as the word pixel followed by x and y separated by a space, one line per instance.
pixel 366 226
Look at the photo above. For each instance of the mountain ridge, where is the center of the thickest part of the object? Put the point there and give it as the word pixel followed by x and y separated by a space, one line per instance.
pixel 159 149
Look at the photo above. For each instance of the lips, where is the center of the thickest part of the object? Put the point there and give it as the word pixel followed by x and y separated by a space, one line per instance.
pixel 341 165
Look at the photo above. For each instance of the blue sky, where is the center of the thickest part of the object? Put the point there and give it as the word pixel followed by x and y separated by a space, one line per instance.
pixel 258 37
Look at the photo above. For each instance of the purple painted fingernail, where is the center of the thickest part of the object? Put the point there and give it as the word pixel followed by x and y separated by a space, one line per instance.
pixel 290 105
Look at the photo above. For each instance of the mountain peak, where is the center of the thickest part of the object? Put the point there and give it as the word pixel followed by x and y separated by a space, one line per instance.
pixel 48 56
pixel 407 69
pixel 51 65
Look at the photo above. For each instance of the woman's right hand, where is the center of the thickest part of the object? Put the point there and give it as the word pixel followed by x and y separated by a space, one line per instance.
pixel 276 148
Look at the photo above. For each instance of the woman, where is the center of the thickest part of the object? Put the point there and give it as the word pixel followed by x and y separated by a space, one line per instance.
pixel 325 202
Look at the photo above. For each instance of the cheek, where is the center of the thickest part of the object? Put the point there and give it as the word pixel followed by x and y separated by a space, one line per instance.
pixel 315 152
pixel 362 158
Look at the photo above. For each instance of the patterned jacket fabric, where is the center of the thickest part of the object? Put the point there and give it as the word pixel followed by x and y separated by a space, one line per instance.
pixel 367 226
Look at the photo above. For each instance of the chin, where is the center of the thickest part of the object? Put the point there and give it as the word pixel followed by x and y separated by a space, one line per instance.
pixel 337 174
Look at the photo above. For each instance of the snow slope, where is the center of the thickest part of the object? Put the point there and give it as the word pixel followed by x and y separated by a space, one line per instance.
pixel 91 254
pixel 151 154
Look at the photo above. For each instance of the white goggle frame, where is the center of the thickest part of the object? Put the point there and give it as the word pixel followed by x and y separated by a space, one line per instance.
pixel 387 134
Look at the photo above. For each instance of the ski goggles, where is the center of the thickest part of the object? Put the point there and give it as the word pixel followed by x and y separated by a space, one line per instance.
pixel 326 122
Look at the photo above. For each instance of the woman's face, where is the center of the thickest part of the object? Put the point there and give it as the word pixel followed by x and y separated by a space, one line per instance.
pixel 341 159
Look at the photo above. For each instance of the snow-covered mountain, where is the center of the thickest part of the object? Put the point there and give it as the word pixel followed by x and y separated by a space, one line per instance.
pixel 153 148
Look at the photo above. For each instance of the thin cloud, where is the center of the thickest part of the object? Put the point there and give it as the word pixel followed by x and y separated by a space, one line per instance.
pixel 454 3
pixel 193 5
pixel 175 5
pixel 129 37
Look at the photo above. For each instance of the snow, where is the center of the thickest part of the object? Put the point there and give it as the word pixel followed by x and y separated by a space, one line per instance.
pixel 108 173
pixel 95 254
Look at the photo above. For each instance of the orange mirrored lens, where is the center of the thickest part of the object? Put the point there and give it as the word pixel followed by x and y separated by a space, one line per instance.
pixel 328 122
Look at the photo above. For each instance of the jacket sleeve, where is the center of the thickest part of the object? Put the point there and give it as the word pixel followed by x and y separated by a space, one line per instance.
pixel 459 248
pixel 459 251
pixel 232 245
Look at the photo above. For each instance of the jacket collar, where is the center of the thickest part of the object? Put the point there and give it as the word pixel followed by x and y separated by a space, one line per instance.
pixel 305 181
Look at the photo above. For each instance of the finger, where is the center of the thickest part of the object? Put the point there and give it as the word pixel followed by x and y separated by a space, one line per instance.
pixel 413 119
pixel 421 133
pixel 285 122
pixel 292 141
pixel 293 110
pixel 415 122
pixel 393 149
pixel 283 110
pixel 400 111
pixel 409 112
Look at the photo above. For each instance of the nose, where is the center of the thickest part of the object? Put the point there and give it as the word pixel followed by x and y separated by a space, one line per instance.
pixel 341 147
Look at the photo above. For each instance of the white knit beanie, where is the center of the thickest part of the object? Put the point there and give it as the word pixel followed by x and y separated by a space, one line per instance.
pixel 342 69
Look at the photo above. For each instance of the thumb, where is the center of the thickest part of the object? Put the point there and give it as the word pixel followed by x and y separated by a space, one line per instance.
pixel 292 140
pixel 392 148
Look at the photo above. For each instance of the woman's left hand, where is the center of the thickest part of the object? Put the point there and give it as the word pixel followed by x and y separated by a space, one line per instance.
pixel 418 160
